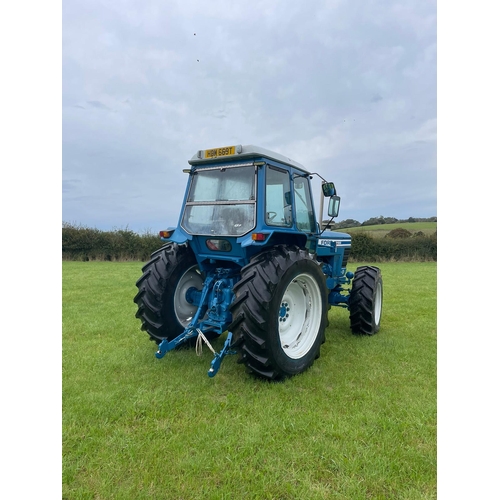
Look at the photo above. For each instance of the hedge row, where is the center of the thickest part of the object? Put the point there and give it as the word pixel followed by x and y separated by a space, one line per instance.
pixel 82 243
pixel 365 247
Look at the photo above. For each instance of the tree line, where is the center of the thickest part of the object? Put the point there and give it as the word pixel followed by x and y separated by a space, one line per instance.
pixel 374 221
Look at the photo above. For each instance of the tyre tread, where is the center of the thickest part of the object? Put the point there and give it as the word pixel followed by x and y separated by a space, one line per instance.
pixel 152 286
pixel 361 300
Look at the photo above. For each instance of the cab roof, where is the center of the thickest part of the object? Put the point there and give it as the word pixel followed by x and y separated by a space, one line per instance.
pixel 239 152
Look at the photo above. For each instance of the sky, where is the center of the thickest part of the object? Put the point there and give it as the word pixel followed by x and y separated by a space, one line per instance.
pixel 345 87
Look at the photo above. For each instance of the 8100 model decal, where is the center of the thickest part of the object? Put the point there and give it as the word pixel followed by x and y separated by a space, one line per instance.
pixel 334 243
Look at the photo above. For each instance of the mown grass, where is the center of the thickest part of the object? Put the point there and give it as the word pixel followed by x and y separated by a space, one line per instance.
pixel 360 424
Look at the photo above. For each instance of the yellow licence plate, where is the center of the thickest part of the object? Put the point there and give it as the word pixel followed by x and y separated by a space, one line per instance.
pixel 214 153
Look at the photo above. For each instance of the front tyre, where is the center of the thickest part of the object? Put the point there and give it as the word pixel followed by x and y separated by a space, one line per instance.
pixel 162 299
pixel 280 312
pixel 365 301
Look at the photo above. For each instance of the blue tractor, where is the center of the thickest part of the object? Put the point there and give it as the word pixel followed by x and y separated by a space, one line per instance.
pixel 249 257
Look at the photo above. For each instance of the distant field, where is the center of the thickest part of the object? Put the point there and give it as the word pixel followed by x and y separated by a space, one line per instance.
pixel 381 230
pixel 360 424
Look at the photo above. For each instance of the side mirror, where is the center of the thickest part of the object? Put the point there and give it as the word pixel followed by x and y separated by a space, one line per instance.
pixel 328 189
pixel 333 206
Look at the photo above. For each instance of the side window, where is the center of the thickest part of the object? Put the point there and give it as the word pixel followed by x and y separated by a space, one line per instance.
pixel 304 214
pixel 278 208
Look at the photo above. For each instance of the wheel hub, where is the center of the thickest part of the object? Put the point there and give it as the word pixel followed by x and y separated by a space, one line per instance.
pixel 284 312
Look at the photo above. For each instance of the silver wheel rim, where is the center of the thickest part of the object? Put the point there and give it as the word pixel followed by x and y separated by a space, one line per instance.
pixel 378 303
pixel 299 316
pixel 184 311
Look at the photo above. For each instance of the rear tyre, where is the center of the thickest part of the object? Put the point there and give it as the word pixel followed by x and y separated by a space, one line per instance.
pixel 162 304
pixel 280 312
pixel 365 301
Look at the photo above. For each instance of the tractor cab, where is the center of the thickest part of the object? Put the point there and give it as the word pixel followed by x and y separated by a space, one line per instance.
pixel 240 199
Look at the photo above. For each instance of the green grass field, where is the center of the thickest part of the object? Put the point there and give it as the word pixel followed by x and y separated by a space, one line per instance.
pixel 360 424
pixel 381 230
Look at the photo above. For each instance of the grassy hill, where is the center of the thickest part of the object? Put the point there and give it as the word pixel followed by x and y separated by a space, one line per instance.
pixel 380 230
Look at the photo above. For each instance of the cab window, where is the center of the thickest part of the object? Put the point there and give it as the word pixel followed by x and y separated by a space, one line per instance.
pixel 278 207
pixel 304 213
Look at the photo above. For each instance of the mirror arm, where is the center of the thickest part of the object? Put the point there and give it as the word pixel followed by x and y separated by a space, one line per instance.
pixel 322 178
